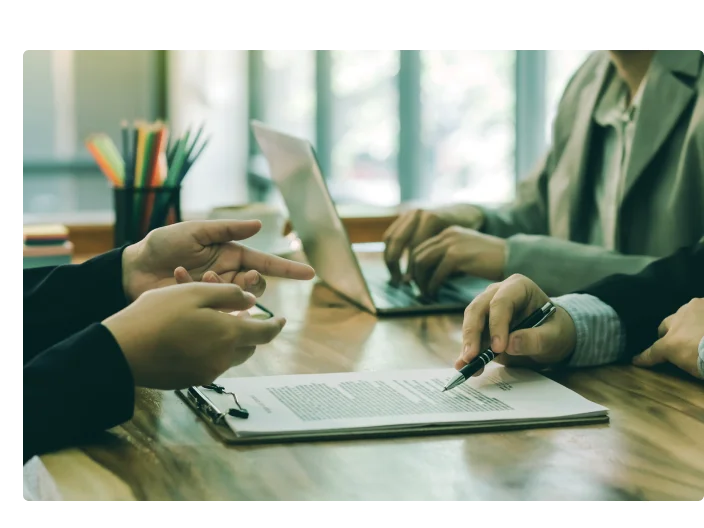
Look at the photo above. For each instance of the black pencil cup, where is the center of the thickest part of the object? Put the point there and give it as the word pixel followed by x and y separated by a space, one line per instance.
pixel 138 210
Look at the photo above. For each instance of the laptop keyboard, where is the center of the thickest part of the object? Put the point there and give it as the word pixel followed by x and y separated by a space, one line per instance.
pixel 401 295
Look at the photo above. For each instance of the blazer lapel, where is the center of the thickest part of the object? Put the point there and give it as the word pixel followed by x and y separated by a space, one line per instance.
pixel 573 164
pixel 665 98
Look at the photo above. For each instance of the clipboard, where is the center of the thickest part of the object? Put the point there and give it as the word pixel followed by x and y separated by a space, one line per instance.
pixel 213 416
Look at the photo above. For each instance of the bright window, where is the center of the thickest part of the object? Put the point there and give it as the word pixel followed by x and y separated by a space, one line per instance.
pixel 289 88
pixel 364 127
pixel 468 125
pixel 458 131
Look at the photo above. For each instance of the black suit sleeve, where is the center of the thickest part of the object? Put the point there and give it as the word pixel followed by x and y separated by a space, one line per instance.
pixel 76 382
pixel 643 300
pixel 60 301
pixel 78 387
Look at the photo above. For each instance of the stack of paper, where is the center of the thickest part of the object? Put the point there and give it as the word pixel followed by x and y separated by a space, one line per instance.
pixel 46 245
pixel 391 403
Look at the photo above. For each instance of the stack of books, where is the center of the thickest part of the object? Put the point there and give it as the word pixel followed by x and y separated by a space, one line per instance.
pixel 46 245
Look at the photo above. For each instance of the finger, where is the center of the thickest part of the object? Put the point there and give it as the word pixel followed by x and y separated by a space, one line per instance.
pixel 427 242
pixel 652 356
pixel 425 262
pixel 398 241
pixel 251 281
pixel 272 265
pixel 483 345
pixel 473 324
pixel 182 276
pixel 213 278
pixel 422 233
pixel 209 232
pixel 665 325
pixel 442 272
pixel 242 354
pixel 511 299
pixel 396 225
pixel 250 331
pixel 227 297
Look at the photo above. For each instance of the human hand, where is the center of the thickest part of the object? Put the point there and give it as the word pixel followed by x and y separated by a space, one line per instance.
pixel 200 247
pixel 679 334
pixel 178 336
pixel 456 250
pixel 509 302
pixel 413 227
pixel 183 277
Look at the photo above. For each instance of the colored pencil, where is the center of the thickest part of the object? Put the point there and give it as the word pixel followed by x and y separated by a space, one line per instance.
pixel 110 150
pixel 153 180
pixel 104 165
pixel 150 165
pixel 128 145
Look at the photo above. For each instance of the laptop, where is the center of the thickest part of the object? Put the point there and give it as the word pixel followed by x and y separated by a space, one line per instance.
pixel 296 172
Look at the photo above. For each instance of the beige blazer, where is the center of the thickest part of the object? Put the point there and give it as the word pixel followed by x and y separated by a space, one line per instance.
pixel 662 205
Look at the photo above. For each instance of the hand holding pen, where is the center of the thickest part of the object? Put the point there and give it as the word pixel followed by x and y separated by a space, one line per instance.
pixel 515 299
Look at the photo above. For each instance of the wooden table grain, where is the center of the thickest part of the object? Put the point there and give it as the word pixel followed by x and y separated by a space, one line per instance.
pixel 651 449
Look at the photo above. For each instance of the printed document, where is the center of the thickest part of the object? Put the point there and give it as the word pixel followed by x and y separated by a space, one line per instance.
pixel 396 399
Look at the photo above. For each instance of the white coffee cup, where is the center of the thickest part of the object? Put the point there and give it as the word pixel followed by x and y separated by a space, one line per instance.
pixel 270 216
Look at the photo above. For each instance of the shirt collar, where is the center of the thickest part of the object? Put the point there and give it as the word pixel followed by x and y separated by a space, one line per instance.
pixel 612 106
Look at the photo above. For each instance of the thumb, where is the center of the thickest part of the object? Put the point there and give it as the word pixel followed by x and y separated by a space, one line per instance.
pixel 650 356
pixel 226 297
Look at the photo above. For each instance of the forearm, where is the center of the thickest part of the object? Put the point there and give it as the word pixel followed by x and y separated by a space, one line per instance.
pixel 62 300
pixel 511 220
pixel 78 387
pixel 560 267
pixel 643 300
pixel 600 337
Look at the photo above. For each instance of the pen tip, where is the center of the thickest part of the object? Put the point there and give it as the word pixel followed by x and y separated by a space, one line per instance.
pixel 444 389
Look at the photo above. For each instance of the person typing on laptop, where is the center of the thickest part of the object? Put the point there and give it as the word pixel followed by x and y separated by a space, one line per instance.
pixel 620 186
pixel 365 282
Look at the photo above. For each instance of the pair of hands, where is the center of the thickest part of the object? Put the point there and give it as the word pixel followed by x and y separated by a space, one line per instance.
pixel 553 342
pixel 442 243
pixel 182 282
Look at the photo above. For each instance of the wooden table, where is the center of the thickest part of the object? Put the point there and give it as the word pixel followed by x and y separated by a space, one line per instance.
pixel 653 447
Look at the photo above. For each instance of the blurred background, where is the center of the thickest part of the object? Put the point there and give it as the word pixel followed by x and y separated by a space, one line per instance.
pixel 389 127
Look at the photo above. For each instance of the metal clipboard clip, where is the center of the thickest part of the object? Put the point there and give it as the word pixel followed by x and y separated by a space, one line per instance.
pixel 205 405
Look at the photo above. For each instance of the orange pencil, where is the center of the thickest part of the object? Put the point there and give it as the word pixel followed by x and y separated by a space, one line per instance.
pixel 103 164
pixel 152 182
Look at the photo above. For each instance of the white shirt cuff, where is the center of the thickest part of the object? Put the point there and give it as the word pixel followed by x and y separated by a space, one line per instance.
pixel 600 336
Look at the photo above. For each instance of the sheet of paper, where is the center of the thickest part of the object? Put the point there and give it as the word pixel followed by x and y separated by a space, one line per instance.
pixel 286 404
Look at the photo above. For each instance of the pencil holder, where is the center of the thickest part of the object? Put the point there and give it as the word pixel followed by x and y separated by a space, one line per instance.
pixel 138 210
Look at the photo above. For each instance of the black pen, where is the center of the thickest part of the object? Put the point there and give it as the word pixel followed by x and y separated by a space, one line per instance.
pixel 535 319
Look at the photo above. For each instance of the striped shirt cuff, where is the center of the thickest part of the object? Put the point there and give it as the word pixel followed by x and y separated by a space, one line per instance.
pixel 600 335
pixel 700 361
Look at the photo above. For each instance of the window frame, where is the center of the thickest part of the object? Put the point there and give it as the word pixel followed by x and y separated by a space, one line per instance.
pixel 530 90
pixel 531 113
